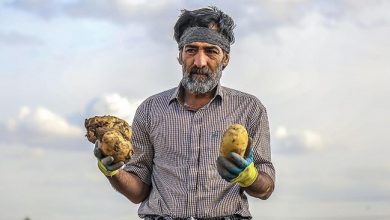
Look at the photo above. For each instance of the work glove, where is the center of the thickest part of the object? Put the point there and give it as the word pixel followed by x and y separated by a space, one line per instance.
pixel 237 169
pixel 105 164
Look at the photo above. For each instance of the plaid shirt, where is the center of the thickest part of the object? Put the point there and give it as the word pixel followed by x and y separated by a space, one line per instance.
pixel 176 152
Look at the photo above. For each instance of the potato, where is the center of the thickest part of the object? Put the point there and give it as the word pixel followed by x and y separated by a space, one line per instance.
pixel 114 135
pixel 96 126
pixel 235 139
pixel 114 144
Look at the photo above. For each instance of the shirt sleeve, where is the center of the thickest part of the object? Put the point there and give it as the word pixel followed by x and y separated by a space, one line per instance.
pixel 141 162
pixel 260 134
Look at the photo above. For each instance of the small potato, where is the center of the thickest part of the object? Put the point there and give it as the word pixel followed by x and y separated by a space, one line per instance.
pixel 235 139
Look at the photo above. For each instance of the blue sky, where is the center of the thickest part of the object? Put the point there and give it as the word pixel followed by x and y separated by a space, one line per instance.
pixel 320 67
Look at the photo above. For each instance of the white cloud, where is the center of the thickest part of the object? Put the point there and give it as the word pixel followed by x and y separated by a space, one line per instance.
pixel 17 38
pixel 312 140
pixel 281 132
pixel 41 128
pixel 134 3
pixel 113 104
pixel 293 141
pixel 119 11
pixel 38 152
pixel 41 121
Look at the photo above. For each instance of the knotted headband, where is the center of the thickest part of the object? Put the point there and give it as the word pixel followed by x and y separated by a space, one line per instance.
pixel 203 34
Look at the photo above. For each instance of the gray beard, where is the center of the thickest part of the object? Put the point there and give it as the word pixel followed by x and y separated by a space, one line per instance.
pixel 201 85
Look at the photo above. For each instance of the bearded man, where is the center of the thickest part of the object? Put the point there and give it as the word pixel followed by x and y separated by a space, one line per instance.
pixel 176 171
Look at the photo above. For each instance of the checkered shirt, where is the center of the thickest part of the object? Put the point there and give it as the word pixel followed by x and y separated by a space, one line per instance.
pixel 176 152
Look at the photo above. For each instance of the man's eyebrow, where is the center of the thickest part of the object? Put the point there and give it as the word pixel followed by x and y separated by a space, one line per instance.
pixel 204 47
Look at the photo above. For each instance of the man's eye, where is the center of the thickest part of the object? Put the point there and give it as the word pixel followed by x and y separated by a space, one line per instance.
pixel 214 52
pixel 190 50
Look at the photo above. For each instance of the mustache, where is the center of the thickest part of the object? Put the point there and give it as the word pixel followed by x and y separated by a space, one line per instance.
pixel 203 70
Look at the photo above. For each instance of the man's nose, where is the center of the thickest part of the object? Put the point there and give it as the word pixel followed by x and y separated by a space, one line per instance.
pixel 200 59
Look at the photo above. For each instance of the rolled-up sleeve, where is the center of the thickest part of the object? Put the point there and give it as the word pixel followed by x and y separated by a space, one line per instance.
pixel 141 162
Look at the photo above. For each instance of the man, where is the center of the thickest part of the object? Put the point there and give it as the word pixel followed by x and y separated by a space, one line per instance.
pixel 176 171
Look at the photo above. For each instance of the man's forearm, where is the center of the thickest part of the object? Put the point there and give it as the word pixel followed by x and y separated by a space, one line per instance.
pixel 130 186
pixel 262 187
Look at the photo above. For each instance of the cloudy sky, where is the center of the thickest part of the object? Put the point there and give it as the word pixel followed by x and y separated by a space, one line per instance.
pixel 321 68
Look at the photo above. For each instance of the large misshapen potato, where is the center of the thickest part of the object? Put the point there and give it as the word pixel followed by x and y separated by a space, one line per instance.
pixel 235 139
pixel 113 134
pixel 96 126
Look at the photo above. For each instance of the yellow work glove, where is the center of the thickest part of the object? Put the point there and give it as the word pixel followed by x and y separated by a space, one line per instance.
pixel 105 164
pixel 238 169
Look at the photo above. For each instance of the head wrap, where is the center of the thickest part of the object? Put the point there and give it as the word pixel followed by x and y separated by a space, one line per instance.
pixel 203 34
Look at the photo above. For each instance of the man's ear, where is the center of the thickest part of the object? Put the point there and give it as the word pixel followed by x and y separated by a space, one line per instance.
pixel 225 60
pixel 179 58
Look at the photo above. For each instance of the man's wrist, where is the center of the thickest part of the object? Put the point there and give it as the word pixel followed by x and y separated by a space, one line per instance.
pixel 106 172
pixel 247 177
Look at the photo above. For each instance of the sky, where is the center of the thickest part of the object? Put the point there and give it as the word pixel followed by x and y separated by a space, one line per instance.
pixel 320 67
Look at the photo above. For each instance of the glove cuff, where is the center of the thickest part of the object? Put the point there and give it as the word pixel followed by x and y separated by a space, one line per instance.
pixel 247 176
pixel 104 170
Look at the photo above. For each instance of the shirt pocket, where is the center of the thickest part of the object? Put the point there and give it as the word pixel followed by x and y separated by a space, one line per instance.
pixel 210 152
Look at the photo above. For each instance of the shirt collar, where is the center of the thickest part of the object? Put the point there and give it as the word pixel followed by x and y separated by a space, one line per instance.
pixel 179 91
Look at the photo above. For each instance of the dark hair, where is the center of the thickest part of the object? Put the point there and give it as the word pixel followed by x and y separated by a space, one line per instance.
pixel 203 18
